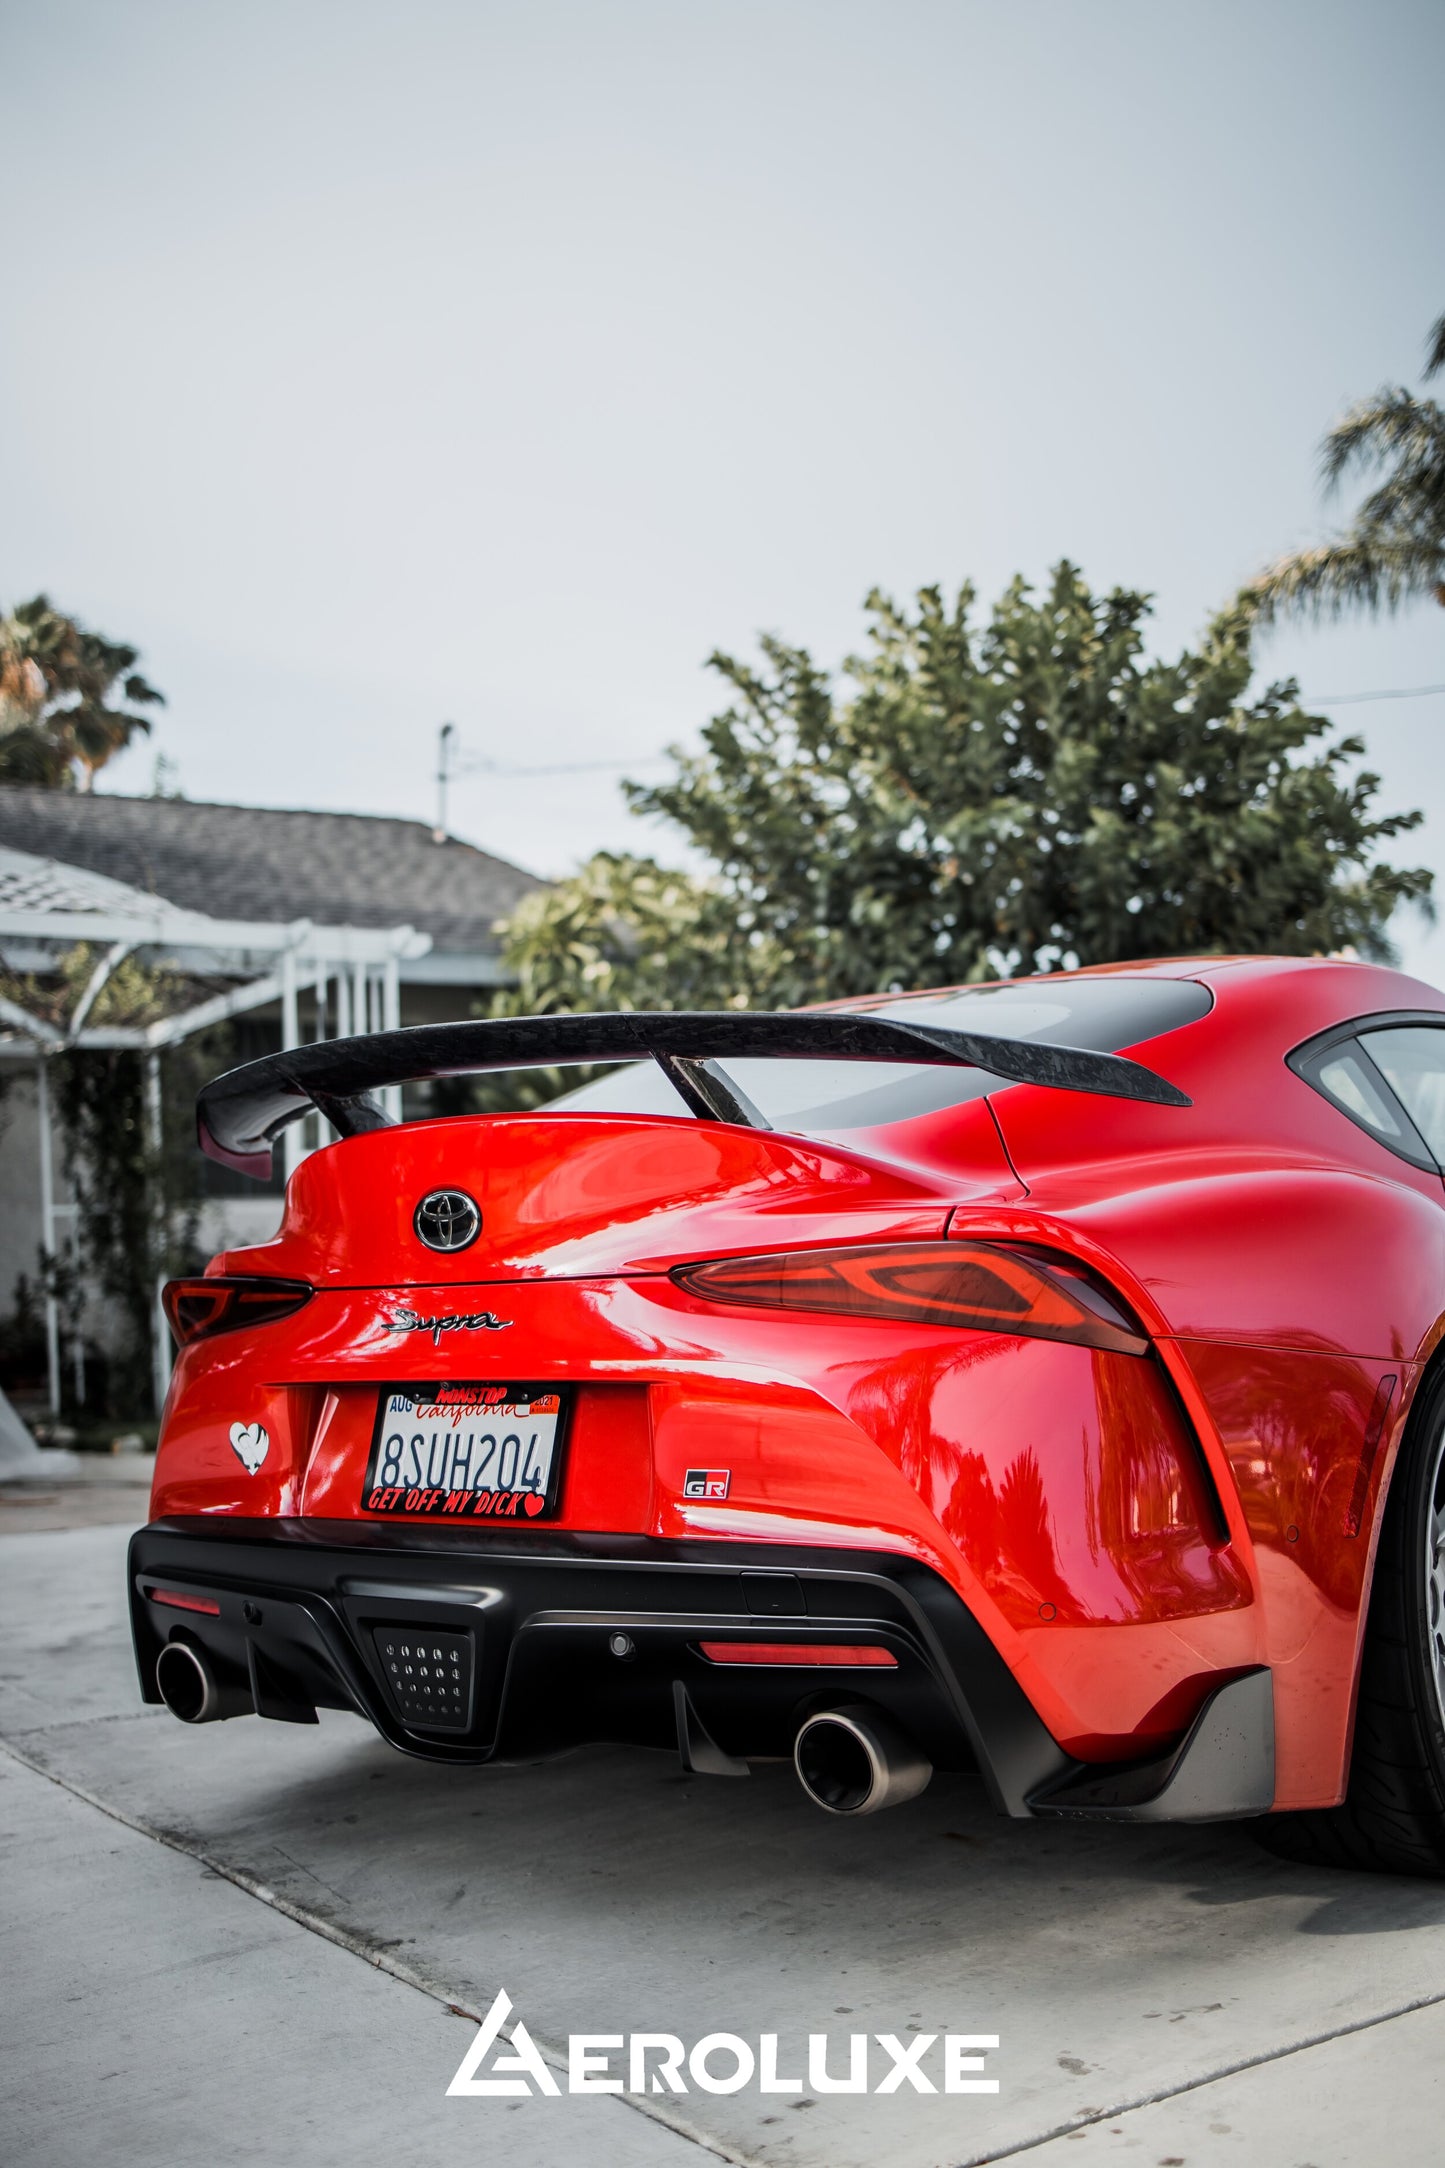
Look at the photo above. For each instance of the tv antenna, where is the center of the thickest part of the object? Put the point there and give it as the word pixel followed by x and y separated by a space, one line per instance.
pixel 446 738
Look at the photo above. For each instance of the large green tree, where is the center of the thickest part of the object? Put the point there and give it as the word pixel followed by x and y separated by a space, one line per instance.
pixel 1393 550
pixel 69 698
pixel 626 933
pixel 976 798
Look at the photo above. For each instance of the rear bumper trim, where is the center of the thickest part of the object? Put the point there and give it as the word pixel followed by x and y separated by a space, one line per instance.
pixel 541 1605
pixel 301 1601
pixel 1221 1771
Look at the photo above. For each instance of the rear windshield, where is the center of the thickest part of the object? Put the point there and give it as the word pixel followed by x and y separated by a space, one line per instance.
pixel 821 1098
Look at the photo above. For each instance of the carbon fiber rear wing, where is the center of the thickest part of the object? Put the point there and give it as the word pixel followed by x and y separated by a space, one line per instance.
pixel 238 1115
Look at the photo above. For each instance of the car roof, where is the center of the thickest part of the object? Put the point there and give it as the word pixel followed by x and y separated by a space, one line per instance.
pixel 1375 985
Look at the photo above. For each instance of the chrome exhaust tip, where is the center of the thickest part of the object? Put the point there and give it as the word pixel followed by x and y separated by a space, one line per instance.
pixel 854 1761
pixel 188 1686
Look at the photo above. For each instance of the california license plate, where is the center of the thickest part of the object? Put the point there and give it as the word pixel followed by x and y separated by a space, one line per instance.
pixel 467 1451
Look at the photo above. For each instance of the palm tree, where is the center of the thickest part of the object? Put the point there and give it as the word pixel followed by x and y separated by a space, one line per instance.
pixel 1394 548
pixel 60 694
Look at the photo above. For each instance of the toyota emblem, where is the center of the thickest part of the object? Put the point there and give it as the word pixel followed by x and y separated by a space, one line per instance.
pixel 447 1219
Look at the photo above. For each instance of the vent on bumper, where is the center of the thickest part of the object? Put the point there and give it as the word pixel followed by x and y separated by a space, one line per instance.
pixel 428 1674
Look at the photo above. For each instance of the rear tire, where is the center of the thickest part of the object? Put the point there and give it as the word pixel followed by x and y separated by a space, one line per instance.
pixel 1392 1820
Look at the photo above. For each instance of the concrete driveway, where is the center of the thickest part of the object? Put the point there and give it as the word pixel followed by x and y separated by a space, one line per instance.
pixel 262 1943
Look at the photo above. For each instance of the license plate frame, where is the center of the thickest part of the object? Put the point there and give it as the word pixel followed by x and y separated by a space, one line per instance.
pixel 502 1507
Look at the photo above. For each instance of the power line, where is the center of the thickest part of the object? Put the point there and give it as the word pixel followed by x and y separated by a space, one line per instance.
pixel 1392 692
pixel 450 764
pixel 477 765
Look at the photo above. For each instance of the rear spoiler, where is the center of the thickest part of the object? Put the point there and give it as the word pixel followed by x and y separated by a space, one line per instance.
pixel 238 1115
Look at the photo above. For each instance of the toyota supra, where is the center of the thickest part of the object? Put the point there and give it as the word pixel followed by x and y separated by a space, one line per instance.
pixel 1040 1377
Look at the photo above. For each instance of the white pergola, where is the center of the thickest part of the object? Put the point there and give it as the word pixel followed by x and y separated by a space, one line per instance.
pixel 47 908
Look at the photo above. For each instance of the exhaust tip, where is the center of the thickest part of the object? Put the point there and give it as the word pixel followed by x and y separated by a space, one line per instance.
pixel 187 1686
pixel 854 1761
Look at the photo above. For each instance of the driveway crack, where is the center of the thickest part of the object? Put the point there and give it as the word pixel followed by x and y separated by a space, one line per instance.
pixel 1195 2085
pixel 358 1946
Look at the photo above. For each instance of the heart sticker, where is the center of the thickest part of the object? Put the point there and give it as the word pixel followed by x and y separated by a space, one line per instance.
pixel 250 1442
pixel 532 1504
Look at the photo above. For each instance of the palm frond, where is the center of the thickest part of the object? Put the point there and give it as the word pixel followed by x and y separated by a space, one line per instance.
pixel 1435 349
pixel 1359 569
pixel 1394 548
pixel 1394 424
pixel 1406 508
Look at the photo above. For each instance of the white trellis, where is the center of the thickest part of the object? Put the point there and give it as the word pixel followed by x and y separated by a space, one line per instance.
pixel 47 907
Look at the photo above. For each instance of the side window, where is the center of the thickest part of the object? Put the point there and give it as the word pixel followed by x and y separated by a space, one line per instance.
pixel 1343 1077
pixel 1411 1058
pixel 1358 1076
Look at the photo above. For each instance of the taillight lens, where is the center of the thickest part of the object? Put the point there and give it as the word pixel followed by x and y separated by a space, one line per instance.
pixel 974 1286
pixel 197 1308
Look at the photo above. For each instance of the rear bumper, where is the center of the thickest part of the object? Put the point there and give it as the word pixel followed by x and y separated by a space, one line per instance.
pixel 517 1635
pixel 301 1605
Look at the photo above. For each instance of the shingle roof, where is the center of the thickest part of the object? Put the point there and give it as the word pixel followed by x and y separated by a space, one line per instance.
pixel 41 884
pixel 256 862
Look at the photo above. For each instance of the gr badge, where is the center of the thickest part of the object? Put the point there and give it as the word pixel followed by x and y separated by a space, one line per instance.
pixel 706 1482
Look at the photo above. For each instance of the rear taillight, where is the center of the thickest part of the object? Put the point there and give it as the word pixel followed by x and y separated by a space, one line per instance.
pixel 197 1308
pixel 974 1286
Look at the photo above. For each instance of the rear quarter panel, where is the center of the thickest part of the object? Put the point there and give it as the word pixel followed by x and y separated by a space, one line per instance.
pixel 1291 1265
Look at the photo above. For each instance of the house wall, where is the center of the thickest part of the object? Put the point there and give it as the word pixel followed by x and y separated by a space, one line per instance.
pixel 226 1221
pixel 19 1181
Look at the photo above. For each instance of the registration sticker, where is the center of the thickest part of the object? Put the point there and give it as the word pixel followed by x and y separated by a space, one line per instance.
pixel 467 1451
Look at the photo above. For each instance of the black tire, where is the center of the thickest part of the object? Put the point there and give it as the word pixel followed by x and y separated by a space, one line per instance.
pixel 1392 1820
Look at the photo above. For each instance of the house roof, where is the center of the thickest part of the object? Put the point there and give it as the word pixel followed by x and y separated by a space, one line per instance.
pixel 258 862
pixel 42 885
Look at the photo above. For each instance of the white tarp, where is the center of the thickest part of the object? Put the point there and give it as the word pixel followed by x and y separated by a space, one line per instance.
pixel 19 1454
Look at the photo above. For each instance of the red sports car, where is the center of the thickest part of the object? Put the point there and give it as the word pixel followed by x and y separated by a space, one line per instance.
pixel 1042 1377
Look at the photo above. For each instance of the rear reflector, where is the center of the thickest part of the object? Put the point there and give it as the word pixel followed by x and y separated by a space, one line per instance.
pixel 799 1652
pixel 181 1602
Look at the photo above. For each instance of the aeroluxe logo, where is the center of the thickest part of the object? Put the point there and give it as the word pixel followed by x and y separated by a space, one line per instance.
pixel 722 2062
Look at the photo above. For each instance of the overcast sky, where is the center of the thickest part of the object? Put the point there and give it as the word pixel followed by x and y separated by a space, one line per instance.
pixel 374 365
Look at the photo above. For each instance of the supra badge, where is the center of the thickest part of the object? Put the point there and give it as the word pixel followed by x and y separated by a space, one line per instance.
pixel 706 1482
pixel 406 1320
pixel 447 1219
